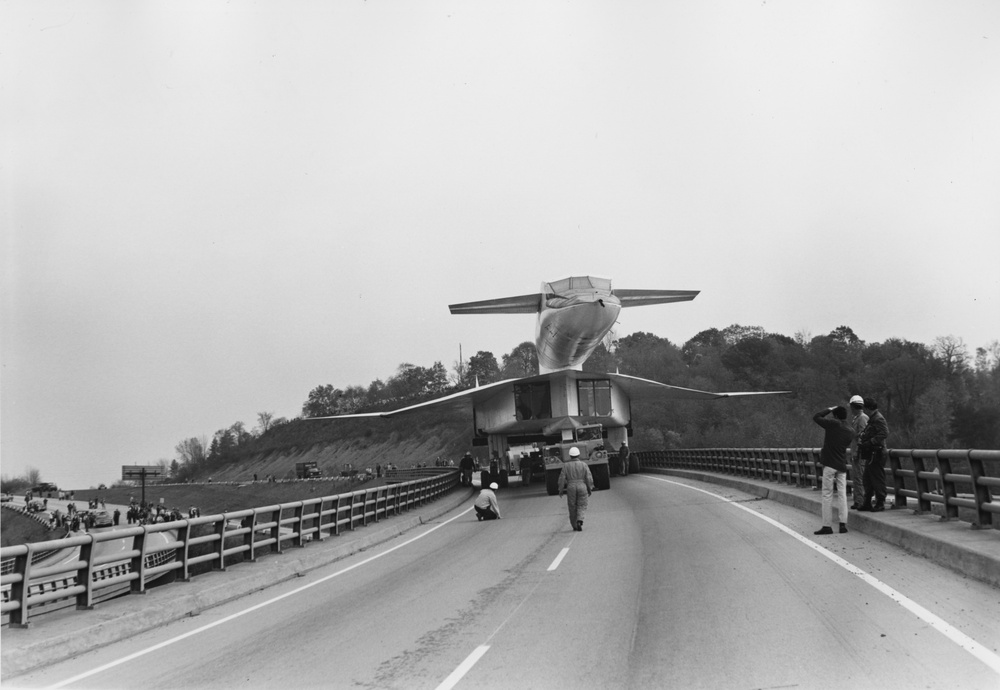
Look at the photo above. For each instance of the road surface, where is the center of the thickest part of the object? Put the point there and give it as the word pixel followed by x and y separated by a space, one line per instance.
pixel 671 584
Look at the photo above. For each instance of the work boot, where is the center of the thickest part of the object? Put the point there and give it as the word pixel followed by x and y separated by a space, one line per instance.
pixel 579 525
pixel 824 530
pixel 878 508
pixel 843 528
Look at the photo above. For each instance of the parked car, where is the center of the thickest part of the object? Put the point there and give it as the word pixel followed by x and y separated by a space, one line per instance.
pixel 4 498
pixel 101 517
pixel 36 506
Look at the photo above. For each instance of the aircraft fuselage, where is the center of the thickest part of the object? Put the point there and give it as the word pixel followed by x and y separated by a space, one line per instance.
pixel 572 321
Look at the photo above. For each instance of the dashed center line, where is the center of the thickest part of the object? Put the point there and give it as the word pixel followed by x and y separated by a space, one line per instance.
pixel 558 560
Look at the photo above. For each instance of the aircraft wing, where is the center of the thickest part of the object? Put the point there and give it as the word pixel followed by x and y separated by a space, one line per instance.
pixel 640 298
pixel 645 389
pixel 522 304
pixel 637 389
pixel 456 402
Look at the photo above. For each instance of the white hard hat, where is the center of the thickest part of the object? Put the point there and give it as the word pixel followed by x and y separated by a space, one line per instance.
pixel 574 452
pixel 494 486
pixel 857 400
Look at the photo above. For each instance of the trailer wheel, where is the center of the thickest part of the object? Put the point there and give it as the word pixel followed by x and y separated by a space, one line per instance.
pixel 602 479
pixel 552 481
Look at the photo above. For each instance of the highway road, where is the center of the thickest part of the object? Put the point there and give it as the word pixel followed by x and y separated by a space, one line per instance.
pixel 671 584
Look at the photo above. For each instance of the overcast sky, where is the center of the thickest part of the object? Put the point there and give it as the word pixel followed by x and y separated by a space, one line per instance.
pixel 211 208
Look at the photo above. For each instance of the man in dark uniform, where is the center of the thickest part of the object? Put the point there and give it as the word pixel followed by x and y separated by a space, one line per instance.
pixel 872 447
pixel 466 465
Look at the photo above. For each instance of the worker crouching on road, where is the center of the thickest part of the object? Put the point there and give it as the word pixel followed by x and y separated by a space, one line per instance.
pixel 577 483
pixel 486 504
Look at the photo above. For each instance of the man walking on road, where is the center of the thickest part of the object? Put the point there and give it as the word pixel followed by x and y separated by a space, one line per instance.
pixel 837 437
pixel 577 483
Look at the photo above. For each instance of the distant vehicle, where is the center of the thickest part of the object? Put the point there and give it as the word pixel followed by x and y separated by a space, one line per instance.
pixel 101 517
pixel 307 470
pixel 36 506
pixel 348 470
pixel 46 490
pixel 6 497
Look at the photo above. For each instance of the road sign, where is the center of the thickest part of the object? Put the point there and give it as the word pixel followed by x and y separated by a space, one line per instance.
pixel 141 472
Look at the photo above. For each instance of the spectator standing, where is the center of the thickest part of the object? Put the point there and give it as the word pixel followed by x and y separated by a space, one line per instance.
pixel 466 465
pixel 625 455
pixel 486 504
pixel 577 483
pixel 525 469
pixel 872 446
pixel 117 516
pixel 859 420
pixel 837 437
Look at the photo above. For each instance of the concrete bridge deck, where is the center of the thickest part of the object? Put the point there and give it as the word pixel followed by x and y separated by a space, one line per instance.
pixel 972 552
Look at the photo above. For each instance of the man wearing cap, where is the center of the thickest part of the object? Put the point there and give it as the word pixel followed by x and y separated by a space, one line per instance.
pixel 872 445
pixel 837 437
pixel 577 483
pixel 486 504
pixel 859 420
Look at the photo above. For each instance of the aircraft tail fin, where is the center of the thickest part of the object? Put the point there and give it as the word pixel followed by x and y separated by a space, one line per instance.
pixel 522 304
pixel 640 298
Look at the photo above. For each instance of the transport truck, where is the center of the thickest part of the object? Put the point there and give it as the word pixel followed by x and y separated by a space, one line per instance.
pixel 307 470
pixel 590 440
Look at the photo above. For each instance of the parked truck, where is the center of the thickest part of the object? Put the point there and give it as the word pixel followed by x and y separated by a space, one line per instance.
pixel 307 470
pixel 590 440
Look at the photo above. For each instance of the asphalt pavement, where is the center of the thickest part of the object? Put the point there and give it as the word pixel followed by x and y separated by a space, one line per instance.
pixel 60 635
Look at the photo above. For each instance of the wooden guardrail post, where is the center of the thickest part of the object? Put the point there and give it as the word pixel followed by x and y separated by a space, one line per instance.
pixel 898 484
pixel 219 563
pixel 923 490
pixel 138 564
pixel 275 529
pixel 948 489
pixel 85 576
pixel 19 588
pixel 980 490
pixel 182 553
pixel 299 513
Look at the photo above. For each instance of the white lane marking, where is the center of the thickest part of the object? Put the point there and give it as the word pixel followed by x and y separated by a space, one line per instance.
pixel 957 636
pixel 463 668
pixel 238 614
pixel 562 555
pixel 466 665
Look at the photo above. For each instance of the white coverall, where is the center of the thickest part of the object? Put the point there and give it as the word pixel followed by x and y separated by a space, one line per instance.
pixel 577 482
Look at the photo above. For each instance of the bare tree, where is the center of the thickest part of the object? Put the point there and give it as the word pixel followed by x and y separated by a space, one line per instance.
pixel 33 476
pixel 264 421
pixel 951 352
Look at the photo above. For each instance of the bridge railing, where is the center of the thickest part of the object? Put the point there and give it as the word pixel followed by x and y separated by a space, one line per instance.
pixel 953 479
pixel 217 540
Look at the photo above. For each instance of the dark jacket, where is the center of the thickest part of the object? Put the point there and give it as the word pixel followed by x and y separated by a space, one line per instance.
pixel 837 438
pixel 877 431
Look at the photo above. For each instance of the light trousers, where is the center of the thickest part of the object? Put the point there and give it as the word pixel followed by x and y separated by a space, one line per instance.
pixel 831 476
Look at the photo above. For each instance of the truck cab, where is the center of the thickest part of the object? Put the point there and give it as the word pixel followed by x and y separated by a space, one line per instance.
pixel 589 439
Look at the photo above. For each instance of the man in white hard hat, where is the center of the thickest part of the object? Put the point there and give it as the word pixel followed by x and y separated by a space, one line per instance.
pixel 859 420
pixel 577 483
pixel 486 504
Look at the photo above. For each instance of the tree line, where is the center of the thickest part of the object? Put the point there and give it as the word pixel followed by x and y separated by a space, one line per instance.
pixel 934 396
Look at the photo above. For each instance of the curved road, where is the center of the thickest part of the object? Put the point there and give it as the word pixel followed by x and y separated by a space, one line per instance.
pixel 671 584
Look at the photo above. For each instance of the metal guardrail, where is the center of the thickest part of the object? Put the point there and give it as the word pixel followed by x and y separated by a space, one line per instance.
pixel 929 476
pixel 248 532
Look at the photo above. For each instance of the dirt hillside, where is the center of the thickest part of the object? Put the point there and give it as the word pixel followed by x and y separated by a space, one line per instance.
pixel 403 442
